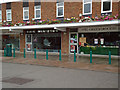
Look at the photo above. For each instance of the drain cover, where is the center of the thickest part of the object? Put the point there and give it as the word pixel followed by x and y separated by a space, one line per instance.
pixel 16 80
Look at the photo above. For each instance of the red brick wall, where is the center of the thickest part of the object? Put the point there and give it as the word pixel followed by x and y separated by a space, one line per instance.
pixel 115 8
pixel 3 11
pixel 17 12
pixel 31 10
pixel 96 9
pixel 49 10
pixel 72 9
pixel 22 42
pixel 65 42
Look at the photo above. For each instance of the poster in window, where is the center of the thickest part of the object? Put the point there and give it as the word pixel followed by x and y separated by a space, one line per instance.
pixel 95 41
pixel 72 48
pixel 102 41
pixel 82 39
pixel 28 47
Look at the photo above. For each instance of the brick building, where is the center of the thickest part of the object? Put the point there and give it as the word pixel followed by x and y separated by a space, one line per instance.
pixel 61 25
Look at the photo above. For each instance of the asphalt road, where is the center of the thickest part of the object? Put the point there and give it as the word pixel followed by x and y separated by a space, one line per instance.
pixel 54 77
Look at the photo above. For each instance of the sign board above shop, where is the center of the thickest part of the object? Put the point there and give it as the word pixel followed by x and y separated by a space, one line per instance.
pixel 112 28
pixel 42 31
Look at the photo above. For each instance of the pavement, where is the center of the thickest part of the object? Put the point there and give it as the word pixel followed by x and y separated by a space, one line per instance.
pixel 82 64
pixel 57 77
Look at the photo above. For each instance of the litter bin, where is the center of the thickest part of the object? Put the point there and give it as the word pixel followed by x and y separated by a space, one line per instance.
pixel 9 50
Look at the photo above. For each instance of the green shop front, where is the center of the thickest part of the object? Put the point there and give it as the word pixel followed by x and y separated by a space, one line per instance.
pixel 98 39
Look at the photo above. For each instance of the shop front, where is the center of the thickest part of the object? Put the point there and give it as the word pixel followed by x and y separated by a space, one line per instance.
pixel 100 40
pixel 41 40
pixel 12 38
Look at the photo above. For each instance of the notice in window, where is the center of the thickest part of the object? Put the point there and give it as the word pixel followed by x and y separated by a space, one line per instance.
pixel 102 41
pixel 95 41
pixel 82 39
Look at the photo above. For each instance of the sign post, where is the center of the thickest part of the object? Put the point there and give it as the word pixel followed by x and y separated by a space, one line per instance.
pixel 24 53
pixel 90 56
pixel 109 57
pixel 35 53
pixel 14 52
pixel 47 54
pixel 74 56
pixel 60 55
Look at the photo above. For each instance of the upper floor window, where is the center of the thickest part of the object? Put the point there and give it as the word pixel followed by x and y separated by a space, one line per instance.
pixel 87 7
pixel 8 15
pixel 0 16
pixel 25 13
pixel 106 6
pixel 60 9
pixel 37 12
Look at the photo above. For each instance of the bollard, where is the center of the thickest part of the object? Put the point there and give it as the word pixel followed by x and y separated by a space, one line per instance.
pixel 47 54
pixel 74 56
pixel 109 57
pixel 24 53
pixel 4 52
pixel 35 53
pixel 90 56
pixel 14 52
pixel 60 55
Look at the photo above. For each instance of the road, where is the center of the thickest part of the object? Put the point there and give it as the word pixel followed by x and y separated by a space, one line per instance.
pixel 55 77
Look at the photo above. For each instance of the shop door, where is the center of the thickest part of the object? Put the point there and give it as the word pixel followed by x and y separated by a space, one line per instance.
pixel 29 42
pixel 73 42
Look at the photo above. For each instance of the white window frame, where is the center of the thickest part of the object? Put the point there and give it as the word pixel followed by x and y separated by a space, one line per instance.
pixel 102 6
pixel 7 14
pixel 90 8
pixel 23 13
pixel 59 7
pixel 1 16
pixel 36 10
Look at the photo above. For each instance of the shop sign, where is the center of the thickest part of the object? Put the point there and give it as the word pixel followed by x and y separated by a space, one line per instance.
pixel 111 28
pixel 41 31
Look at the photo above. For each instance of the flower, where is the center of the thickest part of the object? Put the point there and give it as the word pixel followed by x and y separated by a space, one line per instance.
pixel 80 15
pixel 33 19
pixel 68 19
pixel 4 21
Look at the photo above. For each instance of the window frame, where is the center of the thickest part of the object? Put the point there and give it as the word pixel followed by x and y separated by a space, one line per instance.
pixel 23 13
pixel 90 8
pixel 102 6
pixel 59 7
pixel 1 16
pixel 7 14
pixel 36 10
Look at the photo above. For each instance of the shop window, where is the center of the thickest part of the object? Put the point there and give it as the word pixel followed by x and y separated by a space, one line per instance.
pixel 87 7
pixel 60 9
pixel 37 12
pixel 29 38
pixel 106 6
pixel 25 13
pixel 8 15
pixel 0 16
pixel 29 42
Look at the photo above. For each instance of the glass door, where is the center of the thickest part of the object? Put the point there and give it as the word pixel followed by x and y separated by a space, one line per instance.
pixel 73 42
pixel 29 42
